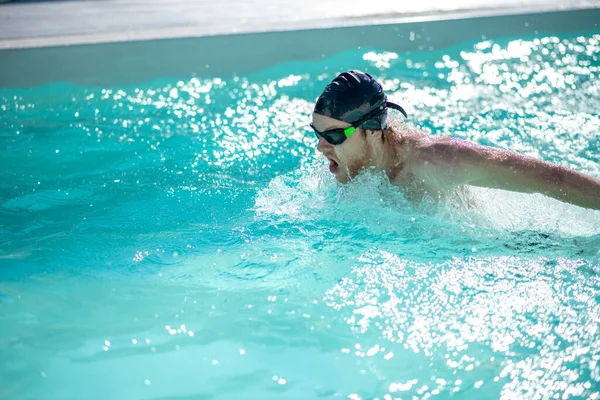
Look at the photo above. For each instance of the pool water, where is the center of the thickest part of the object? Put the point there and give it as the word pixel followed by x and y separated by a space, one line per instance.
pixel 183 239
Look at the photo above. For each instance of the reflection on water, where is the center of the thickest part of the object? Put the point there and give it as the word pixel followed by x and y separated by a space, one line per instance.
pixel 183 238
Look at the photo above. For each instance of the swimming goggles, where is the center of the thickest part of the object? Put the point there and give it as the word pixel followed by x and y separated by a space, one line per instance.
pixel 339 135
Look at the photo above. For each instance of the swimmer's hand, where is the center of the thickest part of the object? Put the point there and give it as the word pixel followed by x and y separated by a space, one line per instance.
pixel 451 162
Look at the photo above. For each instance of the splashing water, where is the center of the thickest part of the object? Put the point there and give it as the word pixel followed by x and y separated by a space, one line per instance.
pixel 183 237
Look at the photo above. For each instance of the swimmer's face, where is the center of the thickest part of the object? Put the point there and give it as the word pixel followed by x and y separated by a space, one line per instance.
pixel 346 160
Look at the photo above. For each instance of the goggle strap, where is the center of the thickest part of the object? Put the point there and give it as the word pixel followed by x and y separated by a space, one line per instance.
pixel 396 107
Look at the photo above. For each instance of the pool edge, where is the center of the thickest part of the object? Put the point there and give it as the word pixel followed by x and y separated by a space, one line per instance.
pixel 358 21
pixel 131 61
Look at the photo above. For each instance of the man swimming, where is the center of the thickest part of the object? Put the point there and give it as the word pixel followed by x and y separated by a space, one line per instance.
pixel 350 119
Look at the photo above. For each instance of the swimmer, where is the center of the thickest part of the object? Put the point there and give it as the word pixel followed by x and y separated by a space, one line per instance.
pixel 350 119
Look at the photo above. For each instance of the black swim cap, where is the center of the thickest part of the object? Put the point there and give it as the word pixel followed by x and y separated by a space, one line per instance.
pixel 353 94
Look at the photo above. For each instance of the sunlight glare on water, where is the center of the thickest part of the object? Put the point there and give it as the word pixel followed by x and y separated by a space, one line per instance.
pixel 183 238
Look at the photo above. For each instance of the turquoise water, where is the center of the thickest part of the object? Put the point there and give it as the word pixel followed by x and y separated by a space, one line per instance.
pixel 183 239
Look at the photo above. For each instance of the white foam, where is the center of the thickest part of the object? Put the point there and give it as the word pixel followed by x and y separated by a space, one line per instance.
pixel 312 194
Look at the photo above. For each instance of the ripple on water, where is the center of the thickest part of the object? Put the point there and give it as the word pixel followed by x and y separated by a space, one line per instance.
pixel 186 225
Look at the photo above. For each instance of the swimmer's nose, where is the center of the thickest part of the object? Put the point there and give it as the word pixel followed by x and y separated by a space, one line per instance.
pixel 323 145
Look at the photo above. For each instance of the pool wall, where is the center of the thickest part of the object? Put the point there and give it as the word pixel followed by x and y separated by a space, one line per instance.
pixel 124 63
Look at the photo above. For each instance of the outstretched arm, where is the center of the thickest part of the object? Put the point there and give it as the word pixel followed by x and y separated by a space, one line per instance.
pixel 454 162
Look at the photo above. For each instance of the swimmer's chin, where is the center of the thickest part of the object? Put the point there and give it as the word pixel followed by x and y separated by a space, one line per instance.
pixel 344 175
pixel 350 174
pixel 342 178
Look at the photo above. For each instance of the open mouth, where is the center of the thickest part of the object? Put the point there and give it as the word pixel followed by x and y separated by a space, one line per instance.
pixel 333 166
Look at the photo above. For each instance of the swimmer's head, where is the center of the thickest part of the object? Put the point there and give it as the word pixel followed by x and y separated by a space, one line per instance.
pixel 352 95
pixel 352 102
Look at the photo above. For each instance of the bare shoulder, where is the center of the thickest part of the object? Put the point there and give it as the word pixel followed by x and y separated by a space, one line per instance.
pixel 450 150
pixel 445 143
pixel 441 149
pixel 447 162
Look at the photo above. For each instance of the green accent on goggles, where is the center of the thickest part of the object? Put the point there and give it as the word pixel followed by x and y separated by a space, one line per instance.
pixel 339 135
